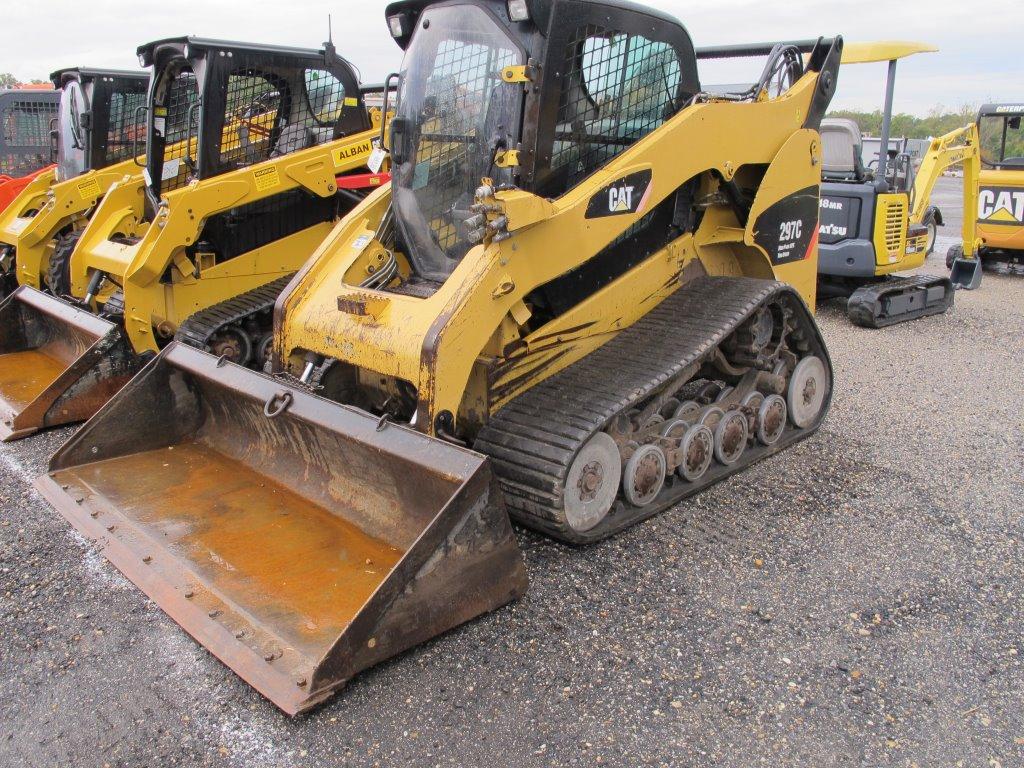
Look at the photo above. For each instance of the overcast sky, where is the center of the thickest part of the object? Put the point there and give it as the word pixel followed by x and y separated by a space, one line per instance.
pixel 979 60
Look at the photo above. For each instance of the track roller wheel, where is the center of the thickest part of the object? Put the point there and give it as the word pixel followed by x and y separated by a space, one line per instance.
pixel 723 394
pixel 644 475
pixel 753 400
pixel 711 417
pixel 731 437
pixel 264 349
pixel 592 482
pixel 771 420
pixel 232 343
pixel 686 410
pixel 808 388
pixel 697 449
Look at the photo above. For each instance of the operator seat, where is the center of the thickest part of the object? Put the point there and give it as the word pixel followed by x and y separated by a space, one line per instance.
pixel 841 151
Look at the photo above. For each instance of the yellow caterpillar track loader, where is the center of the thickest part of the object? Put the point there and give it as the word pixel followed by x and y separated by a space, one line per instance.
pixel 997 206
pixel 594 303
pixel 97 139
pixel 252 153
pixel 878 221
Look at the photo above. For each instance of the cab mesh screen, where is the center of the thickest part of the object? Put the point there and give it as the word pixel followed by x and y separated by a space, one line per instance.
pixel 26 135
pixel 617 88
pixel 182 122
pixel 466 76
pixel 124 129
pixel 271 110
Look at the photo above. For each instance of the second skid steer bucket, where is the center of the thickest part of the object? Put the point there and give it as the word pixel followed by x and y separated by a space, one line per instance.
pixel 58 363
pixel 299 540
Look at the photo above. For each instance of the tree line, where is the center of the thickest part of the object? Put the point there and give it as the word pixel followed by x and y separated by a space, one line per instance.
pixel 938 121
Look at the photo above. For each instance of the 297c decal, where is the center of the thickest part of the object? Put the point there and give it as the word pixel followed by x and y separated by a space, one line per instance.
pixel 788 229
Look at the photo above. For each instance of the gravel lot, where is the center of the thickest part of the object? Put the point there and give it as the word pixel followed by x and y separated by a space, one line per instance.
pixel 855 601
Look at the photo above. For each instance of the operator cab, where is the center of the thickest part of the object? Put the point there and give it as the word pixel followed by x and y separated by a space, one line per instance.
pixel 216 106
pixel 99 122
pixel 532 93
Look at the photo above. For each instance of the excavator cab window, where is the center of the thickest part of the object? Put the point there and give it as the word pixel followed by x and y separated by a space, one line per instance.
pixel 1002 141
pixel 454 115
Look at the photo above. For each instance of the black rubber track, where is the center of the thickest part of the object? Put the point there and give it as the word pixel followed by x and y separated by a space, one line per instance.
pixel 869 306
pixel 533 440
pixel 58 271
pixel 198 329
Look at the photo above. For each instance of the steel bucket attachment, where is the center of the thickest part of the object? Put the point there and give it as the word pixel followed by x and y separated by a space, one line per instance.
pixel 965 273
pixel 298 540
pixel 58 363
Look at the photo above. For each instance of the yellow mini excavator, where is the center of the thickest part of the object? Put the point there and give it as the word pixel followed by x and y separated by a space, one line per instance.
pixel 877 221
pixel 585 295
pixel 252 153
pixel 97 140
pixel 999 199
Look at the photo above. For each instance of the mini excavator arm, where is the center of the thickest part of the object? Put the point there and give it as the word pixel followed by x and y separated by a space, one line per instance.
pixel 958 146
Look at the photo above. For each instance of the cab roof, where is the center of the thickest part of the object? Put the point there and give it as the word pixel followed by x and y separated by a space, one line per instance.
pixel 883 50
pixel 1011 108
pixel 60 76
pixel 146 52
pixel 539 10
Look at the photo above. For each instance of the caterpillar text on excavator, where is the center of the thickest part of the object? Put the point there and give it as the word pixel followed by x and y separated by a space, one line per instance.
pixel 96 136
pixel 252 153
pixel 879 221
pixel 585 295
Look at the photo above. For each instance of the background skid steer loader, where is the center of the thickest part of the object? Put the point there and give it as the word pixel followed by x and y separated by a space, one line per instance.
pixel 252 152
pixel 98 135
pixel 26 117
pixel 581 250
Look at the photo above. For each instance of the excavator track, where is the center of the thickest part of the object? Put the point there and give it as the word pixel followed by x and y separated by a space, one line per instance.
pixel 899 300
pixel 247 316
pixel 1003 263
pixel 534 440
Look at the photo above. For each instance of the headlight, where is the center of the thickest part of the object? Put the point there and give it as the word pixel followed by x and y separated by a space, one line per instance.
pixel 397 25
pixel 518 10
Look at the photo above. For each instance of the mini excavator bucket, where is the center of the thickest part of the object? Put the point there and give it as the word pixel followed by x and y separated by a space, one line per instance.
pixel 299 540
pixel 58 363
pixel 965 273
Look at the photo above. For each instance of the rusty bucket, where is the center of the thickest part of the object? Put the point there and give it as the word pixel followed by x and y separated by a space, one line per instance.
pixel 58 363
pixel 299 540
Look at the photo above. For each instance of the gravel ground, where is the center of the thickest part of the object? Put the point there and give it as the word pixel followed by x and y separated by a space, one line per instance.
pixel 855 601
